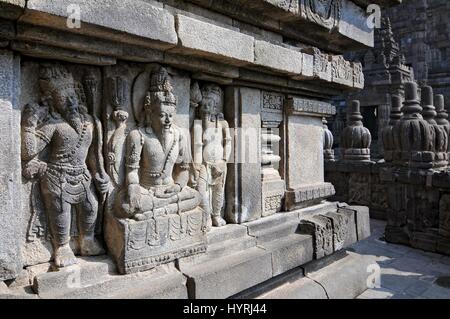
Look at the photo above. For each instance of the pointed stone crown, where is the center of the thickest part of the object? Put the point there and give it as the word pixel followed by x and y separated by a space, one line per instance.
pixel 55 77
pixel 161 91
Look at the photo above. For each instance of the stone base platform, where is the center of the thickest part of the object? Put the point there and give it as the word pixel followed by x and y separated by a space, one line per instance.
pixel 340 276
pixel 240 258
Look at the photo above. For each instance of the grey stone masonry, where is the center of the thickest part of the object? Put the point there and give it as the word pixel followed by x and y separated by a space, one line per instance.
pixel 10 171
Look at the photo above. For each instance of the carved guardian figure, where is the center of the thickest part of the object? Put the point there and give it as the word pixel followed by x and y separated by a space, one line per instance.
pixel 72 171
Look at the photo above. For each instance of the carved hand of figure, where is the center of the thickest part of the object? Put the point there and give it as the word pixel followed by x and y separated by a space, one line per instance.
pixel 218 168
pixel 134 194
pixel 169 191
pixel 33 114
pixel 194 174
pixel 102 183
pixel 34 169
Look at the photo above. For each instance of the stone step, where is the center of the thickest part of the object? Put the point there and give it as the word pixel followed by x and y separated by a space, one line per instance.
pixel 230 246
pixel 218 250
pixel 162 282
pixel 223 277
pixel 275 233
pixel 271 222
pixel 88 271
pixel 227 232
pixel 290 252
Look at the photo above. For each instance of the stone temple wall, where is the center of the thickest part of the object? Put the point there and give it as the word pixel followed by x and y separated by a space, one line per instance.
pixel 168 148
pixel 423 32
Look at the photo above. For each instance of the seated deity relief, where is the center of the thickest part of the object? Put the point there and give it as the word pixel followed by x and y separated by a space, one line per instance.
pixel 71 175
pixel 155 217
pixel 157 160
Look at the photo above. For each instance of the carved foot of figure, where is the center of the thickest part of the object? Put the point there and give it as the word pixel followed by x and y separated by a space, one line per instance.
pixel 218 221
pixel 89 246
pixel 64 256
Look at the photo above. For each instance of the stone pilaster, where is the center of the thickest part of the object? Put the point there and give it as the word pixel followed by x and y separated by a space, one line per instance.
pixel 10 170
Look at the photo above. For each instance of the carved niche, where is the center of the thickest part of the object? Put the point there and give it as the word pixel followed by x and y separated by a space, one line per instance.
pixel 153 216
pixel 62 157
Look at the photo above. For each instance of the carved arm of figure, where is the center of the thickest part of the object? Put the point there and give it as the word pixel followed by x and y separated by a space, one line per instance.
pixel 181 172
pixel 95 159
pixel 133 156
pixel 226 141
pixel 34 139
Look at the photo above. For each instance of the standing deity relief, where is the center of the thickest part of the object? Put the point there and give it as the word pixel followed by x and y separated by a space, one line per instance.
pixel 61 153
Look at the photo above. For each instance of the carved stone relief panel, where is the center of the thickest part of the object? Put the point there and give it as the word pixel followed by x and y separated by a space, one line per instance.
pixel 324 12
pixel 62 162
pixel 154 217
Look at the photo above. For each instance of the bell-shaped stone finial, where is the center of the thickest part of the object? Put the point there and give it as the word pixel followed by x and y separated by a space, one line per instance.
pixel 413 136
pixel 428 109
pixel 396 109
pixel 355 138
pixel 411 105
pixel 387 135
pixel 442 115
pixel 328 140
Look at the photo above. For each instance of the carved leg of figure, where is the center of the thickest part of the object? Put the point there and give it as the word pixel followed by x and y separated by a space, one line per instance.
pixel 59 219
pixel 217 197
pixel 203 190
pixel 87 216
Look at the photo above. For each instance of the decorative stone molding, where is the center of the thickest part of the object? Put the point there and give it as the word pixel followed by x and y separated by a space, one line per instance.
pixel 326 13
pixel 299 106
pixel 342 71
pixel 308 193
pixel 358 75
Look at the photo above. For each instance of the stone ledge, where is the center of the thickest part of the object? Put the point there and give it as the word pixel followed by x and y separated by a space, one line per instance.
pixel 209 40
pixel 126 20
pixel 339 276
pixel 278 58
pixel 308 193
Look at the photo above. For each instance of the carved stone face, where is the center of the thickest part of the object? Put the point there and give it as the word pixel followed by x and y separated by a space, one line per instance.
pixel 65 101
pixel 210 104
pixel 162 116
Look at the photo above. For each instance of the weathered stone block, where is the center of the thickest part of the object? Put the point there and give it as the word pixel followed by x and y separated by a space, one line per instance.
pixel 63 280
pixel 142 245
pixel 218 43
pixel 278 58
pixel 344 278
pixel 140 19
pixel 321 230
pixel 224 277
pixel 362 221
pixel 289 252
pixel 10 176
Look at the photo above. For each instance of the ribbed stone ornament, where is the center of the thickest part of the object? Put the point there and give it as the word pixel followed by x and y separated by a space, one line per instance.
pixel 328 140
pixel 387 133
pixel 355 138
pixel 412 134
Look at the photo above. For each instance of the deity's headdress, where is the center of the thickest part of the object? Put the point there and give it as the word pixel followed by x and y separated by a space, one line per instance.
pixel 213 91
pixel 54 77
pixel 161 91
